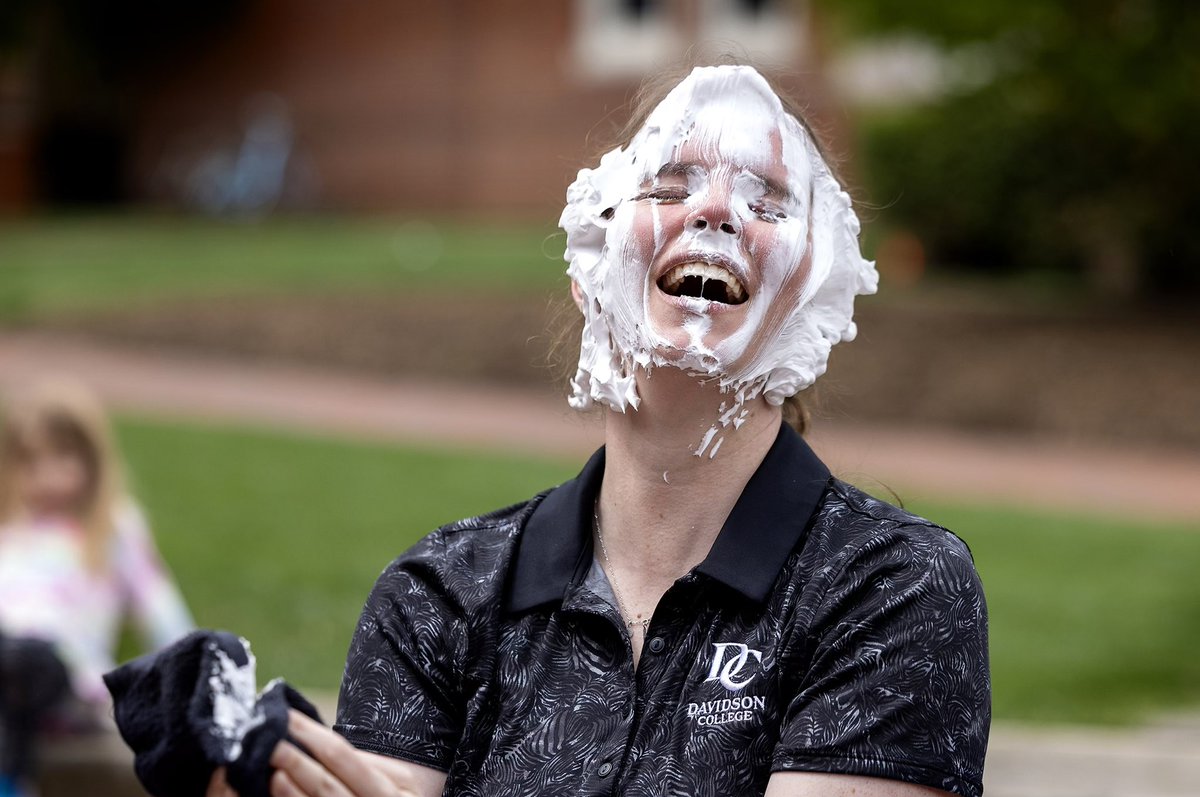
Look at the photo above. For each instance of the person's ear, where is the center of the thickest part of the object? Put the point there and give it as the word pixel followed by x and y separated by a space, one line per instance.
pixel 577 295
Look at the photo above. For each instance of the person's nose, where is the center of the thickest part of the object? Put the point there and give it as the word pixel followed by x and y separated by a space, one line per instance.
pixel 715 212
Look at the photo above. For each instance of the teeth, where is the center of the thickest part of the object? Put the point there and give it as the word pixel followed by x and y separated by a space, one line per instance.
pixel 706 271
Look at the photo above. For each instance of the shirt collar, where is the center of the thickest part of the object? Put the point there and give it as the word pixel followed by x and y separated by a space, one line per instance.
pixel 768 520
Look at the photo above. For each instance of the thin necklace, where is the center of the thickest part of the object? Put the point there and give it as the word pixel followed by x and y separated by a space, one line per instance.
pixel 644 624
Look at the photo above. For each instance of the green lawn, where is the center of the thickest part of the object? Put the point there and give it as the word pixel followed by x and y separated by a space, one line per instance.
pixel 280 537
pixel 59 264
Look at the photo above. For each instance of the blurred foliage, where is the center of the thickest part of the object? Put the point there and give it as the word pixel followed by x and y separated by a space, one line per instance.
pixel 1077 153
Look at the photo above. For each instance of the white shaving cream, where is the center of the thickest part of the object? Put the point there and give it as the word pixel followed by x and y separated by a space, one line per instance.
pixel 720 183
pixel 235 709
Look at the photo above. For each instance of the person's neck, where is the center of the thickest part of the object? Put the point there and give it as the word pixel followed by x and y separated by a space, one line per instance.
pixel 661 505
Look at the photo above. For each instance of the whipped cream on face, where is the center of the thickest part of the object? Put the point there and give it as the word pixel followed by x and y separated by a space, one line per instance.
pixel 716 134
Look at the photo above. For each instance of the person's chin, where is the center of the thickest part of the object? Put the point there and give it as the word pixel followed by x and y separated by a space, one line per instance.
pixel 671 346
pixel 675 342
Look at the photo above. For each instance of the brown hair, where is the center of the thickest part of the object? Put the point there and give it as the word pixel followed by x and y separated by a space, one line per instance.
pixel 71 417
pixel 566 321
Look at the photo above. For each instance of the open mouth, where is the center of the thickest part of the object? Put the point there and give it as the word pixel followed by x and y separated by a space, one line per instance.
pixel 703 281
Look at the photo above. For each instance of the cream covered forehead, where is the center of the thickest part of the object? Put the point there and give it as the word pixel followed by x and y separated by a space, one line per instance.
pixel 727 115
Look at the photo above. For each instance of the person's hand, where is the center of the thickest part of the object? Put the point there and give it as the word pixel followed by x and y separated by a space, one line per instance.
pixel 217 786
pixel 336 769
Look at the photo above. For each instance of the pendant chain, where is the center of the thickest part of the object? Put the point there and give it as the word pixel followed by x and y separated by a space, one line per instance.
pixel 644 624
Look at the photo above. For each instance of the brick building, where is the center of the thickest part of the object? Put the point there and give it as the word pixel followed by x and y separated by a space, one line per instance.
pixel 455 106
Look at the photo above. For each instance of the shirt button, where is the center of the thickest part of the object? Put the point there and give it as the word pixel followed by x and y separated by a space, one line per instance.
pixel 657 645
pixel 605 769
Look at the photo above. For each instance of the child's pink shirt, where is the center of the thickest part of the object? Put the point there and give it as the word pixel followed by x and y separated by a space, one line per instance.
pixel 48 591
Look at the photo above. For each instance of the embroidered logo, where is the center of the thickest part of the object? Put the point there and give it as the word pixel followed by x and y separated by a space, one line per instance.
pixel 734 666
pixel 727 670
pixel 726 710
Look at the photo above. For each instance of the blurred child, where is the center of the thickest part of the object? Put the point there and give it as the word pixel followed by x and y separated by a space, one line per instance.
pixel 76 558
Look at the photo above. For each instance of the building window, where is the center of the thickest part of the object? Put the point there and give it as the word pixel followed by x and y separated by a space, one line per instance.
pixel 766 30
pixel 756 7
pixel 640 8
pixel 623 39
pixel 628 39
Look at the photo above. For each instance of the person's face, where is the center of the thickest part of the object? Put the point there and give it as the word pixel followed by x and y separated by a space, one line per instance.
pixel 715 241
pixel 714 246
pixel 52 478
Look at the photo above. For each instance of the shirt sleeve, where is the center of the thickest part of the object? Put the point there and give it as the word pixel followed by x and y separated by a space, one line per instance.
pixel 401 692
pixel 897 682
pixel 151 595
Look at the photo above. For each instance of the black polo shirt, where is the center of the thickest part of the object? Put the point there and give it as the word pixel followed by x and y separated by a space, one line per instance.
pixel 826 631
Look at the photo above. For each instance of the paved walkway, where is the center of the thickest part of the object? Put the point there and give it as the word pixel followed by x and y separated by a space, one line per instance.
pixel 1021 471
pixel 1162 760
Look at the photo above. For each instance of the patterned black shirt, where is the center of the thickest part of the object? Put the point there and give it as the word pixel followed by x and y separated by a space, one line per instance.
pixel 826 631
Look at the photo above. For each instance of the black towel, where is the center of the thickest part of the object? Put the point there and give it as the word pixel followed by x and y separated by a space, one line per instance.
pixel 191 708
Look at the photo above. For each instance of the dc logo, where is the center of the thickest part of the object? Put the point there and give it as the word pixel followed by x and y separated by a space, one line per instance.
pixel 726 670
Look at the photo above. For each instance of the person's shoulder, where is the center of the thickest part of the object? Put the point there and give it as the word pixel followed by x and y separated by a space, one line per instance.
pixel 474 535
pixel 129 523
pixel 126 511
pixel 850 517
pixel 856 536
pixel 468 557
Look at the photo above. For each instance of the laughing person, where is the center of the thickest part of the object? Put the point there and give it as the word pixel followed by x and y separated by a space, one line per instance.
pixel 704 610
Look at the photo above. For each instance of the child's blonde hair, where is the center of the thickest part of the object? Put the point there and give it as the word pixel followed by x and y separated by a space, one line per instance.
pixel 70 415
